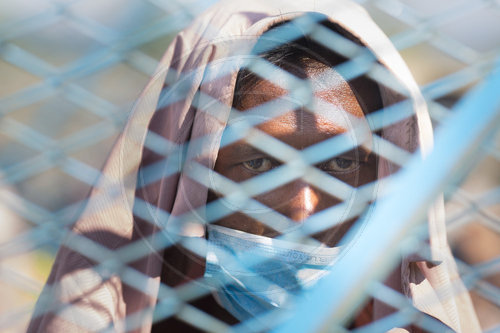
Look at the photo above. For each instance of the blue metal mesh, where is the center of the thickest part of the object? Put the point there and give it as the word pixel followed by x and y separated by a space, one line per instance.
pixel 73 70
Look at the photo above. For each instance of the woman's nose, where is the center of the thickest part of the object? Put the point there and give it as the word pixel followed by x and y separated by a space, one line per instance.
pixel 303 202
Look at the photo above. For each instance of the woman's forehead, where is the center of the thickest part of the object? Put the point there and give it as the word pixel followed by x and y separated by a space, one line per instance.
pixel 333 108
pixel 329 89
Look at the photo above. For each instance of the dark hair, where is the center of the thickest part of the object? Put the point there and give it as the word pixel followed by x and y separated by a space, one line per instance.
pixel 305 53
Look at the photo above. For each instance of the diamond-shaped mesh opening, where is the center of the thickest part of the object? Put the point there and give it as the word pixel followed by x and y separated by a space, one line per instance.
pixel 428 8
pixel 62 112
pixel 104 83
pixel 156 48
pixel 61 36
pixel 426 72
pixel 25 9
pixel 274 175
pixel 14 152
pixel 121 16
pixel 43 182
pixel 464 31
pixel 19 79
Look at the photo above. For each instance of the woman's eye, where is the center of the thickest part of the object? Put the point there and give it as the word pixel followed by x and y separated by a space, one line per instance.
pixel 259 165
pixel 339 164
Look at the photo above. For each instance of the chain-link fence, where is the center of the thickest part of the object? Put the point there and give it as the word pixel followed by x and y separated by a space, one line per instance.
pixel 72 72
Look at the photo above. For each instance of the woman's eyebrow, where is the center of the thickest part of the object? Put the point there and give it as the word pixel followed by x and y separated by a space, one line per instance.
pixel 244 149
pixel 362 153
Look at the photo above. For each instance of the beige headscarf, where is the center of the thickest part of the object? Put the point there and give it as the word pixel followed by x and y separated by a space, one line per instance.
pixel 80 298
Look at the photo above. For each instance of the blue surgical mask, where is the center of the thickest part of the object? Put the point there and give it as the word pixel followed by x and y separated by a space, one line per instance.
pixel 253 274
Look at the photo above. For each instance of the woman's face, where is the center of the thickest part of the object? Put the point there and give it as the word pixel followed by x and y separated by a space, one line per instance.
pixel 298 200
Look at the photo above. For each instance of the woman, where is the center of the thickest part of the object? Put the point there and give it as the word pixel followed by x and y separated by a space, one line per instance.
pixel 288 92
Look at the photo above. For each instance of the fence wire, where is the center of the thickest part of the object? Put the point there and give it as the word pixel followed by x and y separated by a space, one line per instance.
pixel 72 72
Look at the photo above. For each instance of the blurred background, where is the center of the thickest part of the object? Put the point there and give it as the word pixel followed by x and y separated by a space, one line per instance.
pixel 72 70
